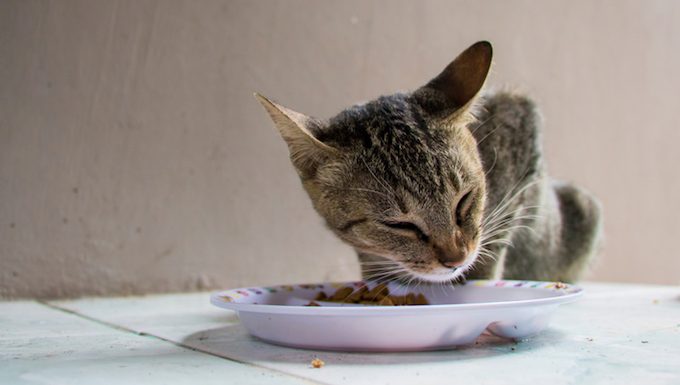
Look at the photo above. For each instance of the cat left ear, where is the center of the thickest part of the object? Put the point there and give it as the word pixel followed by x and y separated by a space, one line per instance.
pixel 456 87
pixel 306 152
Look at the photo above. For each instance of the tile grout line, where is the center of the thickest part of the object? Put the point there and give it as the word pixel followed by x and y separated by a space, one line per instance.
pixel 179 344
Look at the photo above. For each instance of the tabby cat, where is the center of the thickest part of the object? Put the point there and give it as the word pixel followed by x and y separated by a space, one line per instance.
pixel 443 183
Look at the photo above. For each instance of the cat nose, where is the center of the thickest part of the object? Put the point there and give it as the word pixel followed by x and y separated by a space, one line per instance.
pixel 451 257
pixel 451 251
pixel 451 263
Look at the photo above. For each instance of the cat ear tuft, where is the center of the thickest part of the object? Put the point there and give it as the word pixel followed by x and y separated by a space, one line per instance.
pixel 306 152
pixel 461 80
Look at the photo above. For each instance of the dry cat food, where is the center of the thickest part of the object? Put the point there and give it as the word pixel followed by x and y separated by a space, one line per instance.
pixel 317 363
pixel 379 296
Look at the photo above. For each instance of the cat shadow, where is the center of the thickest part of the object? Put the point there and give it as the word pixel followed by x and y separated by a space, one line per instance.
pixel 234 342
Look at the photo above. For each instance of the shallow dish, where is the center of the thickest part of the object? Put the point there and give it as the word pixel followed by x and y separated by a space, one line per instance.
pixel 456 315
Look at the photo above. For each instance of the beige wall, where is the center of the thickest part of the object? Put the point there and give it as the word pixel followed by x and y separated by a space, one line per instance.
pixel 133 157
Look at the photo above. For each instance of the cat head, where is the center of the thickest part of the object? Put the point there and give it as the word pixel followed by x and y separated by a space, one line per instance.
pixel 399 178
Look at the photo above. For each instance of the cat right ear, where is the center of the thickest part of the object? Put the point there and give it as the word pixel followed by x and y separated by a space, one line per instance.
pixel 306 152
pixel 456 87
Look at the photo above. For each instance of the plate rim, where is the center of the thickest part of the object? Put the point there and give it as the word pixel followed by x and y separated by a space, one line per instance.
pixel 569 293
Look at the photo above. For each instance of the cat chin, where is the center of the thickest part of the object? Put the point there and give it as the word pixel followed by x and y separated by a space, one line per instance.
pixel 445 275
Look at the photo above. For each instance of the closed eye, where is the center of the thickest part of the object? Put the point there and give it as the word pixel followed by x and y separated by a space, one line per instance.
pixel 462 208
pixel 407 226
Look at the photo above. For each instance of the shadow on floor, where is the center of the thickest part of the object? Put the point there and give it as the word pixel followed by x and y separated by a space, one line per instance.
pixel 234 342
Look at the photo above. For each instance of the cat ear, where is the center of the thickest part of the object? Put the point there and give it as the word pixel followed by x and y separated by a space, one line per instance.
pixel 306 152
pixel 460 81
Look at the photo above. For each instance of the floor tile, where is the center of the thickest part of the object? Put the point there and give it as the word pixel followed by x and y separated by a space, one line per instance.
pixel 42 345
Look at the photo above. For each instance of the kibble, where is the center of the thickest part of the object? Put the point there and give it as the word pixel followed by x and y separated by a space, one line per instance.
pixel 378 296
pixel 317 363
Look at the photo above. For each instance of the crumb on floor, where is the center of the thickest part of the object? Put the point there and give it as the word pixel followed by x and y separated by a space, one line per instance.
pixel 317 363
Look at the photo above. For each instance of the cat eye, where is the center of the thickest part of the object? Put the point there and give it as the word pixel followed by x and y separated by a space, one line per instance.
pixel 463 207
pixel 407 226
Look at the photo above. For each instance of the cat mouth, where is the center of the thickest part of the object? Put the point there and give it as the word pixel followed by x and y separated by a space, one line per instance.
pixel 439 273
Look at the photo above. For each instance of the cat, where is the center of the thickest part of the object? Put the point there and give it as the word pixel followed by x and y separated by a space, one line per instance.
pixel 444 183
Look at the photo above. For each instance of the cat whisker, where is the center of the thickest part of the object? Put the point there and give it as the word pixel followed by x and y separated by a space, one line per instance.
pixel 502 214
pixel 381 260
pixel 376 270
pixel 378 263
pixel 383 267
pixel 505 228
pixel 380 278
pixel 495 158
pixel 509 195
pixel 500 241
pixel 418 282
pixel 388 189
pixel 451 284
pixel 510 225
pixel 485 257
pixel 411 279
pixel 388 270
pixel 441 287
pixel 502 220
pixel 487 135
pixel 364 190
pixel 483 123
pixel 507 200
pixel 488 254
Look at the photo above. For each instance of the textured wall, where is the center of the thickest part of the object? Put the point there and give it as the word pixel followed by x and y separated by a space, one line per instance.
pixel 133 157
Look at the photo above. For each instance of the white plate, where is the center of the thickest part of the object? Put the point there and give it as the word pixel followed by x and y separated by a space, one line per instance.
pixel 457 315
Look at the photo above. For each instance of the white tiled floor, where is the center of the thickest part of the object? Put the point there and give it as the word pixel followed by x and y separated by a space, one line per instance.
pixel 42 345
pixel 619 334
